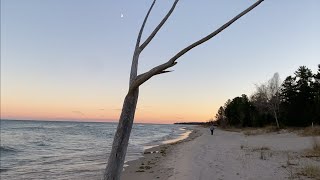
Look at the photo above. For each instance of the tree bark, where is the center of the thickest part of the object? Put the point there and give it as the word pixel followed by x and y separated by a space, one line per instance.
pixel 121 139
pixel 276 117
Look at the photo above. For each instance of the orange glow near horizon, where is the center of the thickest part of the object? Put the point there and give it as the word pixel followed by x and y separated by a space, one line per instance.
pixel 42 114
pixel 158 113
pixel 33 104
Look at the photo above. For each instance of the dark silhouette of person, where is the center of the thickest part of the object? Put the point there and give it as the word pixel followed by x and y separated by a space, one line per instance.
pixel 211 129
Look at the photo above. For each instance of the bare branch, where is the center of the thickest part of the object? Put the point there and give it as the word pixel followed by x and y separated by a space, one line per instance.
pixel 143 24
pixel 158 69
pixel 135 58
pixel 182 52
pixel 147 75
pixel 155 31
pixel 162 72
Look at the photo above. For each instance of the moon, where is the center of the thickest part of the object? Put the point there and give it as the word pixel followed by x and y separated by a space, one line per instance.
pixel 121 15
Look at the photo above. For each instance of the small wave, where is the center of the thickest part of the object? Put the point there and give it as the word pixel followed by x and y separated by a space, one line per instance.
pixel 55 161
pixel 4 149
pixel 180 138
pixel 183 129
pixel 41 144
pixel 3 170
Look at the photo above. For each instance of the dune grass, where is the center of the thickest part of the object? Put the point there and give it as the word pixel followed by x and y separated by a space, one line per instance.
pixel 315 151
pixel 257 131
pixel 311 171
pixel 311 131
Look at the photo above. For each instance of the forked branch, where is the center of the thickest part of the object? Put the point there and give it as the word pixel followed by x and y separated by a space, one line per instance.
pixel 154 71
pixel 135 59
pixel 155 31
pixel 158 69
pixel 143 24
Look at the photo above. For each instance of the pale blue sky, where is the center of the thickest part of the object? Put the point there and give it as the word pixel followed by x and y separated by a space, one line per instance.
pixel 79 51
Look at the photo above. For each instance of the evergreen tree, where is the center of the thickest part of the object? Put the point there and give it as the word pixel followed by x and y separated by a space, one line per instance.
pixel 238 113
pixel 316 91
pixel 298 99
pixel 221 118
pixel 305 99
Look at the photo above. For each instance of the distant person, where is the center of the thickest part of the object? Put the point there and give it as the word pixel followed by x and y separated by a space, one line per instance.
pixel 211 129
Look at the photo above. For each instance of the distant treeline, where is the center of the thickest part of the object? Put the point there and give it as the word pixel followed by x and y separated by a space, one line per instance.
pixel 294 102
pixel 191 123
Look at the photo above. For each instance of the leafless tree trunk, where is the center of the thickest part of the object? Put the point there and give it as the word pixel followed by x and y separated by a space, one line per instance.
pixel 274 96
pixel 267 97
pixel 121 138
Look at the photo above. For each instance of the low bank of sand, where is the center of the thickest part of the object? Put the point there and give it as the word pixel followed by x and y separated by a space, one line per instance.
pixel 226 155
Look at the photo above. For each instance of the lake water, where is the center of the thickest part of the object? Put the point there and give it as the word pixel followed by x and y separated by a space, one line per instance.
pixel 69 150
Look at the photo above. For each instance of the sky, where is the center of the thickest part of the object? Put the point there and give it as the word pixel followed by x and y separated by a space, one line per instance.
pixel 70 60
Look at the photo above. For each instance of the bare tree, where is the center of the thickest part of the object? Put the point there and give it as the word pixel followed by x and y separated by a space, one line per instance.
pixel 274 96
pixel 121 138
pixel 267 97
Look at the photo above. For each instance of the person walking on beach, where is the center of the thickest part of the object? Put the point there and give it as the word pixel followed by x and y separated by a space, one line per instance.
pixel 211 129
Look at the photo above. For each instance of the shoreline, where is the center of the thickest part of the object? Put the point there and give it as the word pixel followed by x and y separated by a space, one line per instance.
pixel 148 166
pixel 148 149
pixel 181 137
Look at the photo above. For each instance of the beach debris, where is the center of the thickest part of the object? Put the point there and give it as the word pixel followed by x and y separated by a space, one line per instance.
pixel 150 152
pixel 145 167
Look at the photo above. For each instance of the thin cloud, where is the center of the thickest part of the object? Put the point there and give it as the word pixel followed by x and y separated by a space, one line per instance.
pixel 179 117
pixel 80 113
pixel 119 109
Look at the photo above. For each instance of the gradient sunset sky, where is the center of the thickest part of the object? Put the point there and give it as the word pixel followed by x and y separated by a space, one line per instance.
pixel 70 60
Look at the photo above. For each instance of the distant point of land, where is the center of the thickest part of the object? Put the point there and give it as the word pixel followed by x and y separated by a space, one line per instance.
pixel 191 123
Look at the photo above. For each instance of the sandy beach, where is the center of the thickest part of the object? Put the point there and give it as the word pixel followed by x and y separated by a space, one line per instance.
pixel 226 155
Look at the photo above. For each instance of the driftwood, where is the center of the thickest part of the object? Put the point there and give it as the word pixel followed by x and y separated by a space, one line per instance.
pixel 121 138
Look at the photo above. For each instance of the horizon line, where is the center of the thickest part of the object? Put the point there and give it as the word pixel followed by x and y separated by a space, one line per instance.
pixel 81 121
